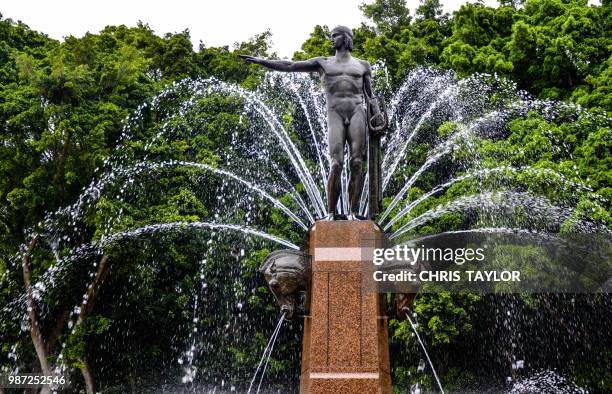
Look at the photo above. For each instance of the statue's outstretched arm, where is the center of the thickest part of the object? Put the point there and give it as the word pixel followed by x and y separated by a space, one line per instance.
pixel 310 65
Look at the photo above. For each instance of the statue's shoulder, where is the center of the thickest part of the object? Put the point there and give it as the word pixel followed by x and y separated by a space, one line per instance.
pixel 365 64
pixel 319 59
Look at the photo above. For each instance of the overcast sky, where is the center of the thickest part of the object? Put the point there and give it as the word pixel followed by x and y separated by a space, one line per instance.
pixel 214 22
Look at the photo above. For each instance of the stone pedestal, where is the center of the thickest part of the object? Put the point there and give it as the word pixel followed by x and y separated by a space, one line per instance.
pixel 345 347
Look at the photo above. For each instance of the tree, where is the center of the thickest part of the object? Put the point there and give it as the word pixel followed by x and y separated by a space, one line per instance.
pixel 429 9
pixel 389 16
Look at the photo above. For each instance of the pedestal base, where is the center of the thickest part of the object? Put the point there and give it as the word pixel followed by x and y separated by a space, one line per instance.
pixel 345 346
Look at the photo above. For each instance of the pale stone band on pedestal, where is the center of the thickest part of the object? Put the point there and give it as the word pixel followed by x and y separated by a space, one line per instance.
pixel 343 254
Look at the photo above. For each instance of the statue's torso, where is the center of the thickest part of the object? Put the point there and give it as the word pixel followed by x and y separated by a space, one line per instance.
pixel 343 81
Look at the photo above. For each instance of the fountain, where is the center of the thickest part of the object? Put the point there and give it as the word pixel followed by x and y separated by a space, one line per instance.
pixel 278 160
pixel 345 331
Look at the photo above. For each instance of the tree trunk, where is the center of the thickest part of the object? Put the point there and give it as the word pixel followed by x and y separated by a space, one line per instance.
pixel 88 376
pixel 87 305
pixel 86 308
pixel 94 288
pixel 37 340
pixel 57 331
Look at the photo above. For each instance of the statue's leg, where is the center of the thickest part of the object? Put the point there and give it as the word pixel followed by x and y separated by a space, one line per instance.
pixel 357 142
pixel 337 138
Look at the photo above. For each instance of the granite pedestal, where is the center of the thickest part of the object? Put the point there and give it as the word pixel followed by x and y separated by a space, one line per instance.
pixel 345 346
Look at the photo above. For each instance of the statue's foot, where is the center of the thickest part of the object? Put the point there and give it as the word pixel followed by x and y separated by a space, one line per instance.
pixel 330 216
pixel 354 216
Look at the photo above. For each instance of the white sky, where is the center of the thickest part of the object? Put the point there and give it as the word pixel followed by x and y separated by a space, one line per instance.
pixel 214 22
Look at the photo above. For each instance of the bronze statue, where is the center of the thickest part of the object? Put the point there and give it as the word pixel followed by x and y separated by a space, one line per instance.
pixel 347 82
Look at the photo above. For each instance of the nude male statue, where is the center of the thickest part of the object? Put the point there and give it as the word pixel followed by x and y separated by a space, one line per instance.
pixel 346 80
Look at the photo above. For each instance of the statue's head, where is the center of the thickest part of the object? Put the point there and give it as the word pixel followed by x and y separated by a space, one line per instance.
pixel 342 37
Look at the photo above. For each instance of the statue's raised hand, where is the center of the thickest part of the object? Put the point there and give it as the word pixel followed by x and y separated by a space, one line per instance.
pixel 250 59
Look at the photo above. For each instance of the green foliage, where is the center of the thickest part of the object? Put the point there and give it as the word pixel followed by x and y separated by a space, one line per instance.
pixel 62 112
pixel 316 45
pixel 552 48
pixel 75 349
pixel 445 316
